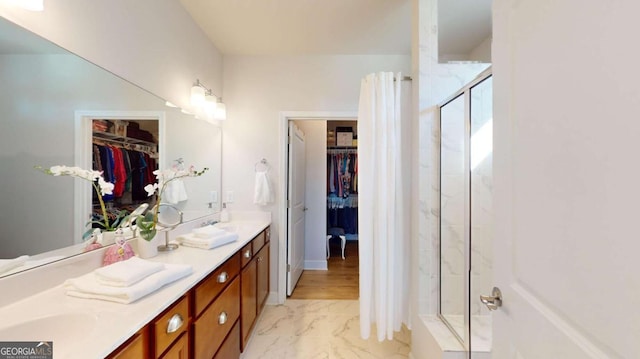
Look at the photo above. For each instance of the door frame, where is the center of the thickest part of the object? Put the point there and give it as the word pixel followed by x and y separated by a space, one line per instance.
pixel 285 117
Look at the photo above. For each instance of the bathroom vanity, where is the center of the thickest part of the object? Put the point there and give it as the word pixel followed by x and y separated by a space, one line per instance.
pixel 209 314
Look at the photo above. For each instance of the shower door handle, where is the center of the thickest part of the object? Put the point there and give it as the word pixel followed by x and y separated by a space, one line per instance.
pixel 494 301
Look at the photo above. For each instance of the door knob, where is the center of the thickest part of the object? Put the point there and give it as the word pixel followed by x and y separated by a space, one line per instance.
pixel 494 300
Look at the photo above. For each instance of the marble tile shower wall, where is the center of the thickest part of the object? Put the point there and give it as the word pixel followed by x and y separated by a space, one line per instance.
pixel 436 82
pixel 452 207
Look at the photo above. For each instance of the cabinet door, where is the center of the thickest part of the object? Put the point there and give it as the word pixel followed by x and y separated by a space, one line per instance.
pixel 230 349
pixel 137 347
pixel 262 259
pixel 249 299
pixel 180 349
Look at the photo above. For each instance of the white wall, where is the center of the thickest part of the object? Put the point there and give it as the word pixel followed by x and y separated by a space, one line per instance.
pixel 258 88
pixel 315 238
pixel 154 44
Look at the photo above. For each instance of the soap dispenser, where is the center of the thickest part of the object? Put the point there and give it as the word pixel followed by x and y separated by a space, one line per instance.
pixel 224 214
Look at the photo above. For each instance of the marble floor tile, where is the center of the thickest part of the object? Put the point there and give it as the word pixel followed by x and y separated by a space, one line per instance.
pixel 319 329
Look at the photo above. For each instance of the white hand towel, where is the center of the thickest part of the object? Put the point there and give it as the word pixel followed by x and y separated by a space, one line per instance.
pixel 87 285
pixel 9 264
pixel 208 232
pixel 126 273
pixel 263 194
pixel 175 192
pixel 190 240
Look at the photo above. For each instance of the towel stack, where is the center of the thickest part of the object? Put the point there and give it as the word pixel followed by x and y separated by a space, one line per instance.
pixel 126 281
pixel 207 237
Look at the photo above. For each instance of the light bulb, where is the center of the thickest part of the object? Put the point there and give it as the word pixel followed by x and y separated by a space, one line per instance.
pixel 221 112
pixel 197 95
pixel 210 104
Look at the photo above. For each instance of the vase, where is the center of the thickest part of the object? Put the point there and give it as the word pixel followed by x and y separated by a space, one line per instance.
pixel 147 249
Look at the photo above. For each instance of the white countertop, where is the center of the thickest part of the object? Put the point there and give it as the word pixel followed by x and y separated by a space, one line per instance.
pixel 100 326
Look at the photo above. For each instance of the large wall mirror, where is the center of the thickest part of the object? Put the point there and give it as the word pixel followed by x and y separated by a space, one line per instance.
pixel 45 93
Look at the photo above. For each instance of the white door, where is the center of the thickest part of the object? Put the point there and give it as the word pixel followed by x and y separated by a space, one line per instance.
pixel 566 180
pixel 296 207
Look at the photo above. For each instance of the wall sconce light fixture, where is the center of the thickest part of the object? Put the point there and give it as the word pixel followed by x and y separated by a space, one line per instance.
pixel 203 99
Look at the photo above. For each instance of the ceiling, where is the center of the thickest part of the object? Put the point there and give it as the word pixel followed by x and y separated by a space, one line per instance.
pixel 301 27
pixel 253 27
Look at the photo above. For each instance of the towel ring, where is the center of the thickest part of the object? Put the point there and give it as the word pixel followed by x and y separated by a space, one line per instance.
pixel 261 162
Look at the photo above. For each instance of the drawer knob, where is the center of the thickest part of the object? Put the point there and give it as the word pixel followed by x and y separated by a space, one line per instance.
pixel 259 259
pixel 175 323
pixel 222 318
pixel 222 277
pixel 247 253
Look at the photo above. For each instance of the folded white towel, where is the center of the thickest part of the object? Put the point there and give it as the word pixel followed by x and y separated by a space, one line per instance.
pixel 128 272
pixel 208 232
pixel 191 240
pixel 9 264
pixel 262 194
pixel 87 285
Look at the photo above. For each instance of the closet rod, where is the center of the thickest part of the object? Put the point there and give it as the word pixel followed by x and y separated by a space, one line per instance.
pixel 127 145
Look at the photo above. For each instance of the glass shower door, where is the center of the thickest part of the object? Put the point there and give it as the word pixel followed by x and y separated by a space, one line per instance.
pixel 481 167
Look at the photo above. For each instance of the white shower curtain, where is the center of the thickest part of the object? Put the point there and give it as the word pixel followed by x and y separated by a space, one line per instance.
pixel 383 213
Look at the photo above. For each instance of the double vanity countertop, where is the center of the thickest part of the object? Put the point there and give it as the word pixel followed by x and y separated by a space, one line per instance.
pixel 86 328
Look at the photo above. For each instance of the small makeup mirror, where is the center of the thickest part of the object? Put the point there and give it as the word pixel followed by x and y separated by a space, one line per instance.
pixel 169 217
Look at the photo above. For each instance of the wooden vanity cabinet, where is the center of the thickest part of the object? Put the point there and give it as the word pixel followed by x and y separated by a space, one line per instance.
pixel 136 347
pixel 216 316
pixel 255 283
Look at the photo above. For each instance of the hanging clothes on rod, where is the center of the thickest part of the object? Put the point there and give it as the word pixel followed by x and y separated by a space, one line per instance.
pixel 342 188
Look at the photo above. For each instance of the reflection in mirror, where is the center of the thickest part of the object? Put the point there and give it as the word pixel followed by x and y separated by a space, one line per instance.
pixel 452 213
pixel 45 90
pixel 464 31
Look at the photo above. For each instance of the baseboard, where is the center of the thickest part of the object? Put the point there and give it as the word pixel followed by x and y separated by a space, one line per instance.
pixel 272 299
pixel 315 265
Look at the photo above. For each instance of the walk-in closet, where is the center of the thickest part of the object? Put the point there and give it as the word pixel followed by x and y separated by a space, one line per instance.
pixel 126 152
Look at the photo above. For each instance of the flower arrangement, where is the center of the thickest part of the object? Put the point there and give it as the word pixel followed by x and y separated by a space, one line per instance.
pixel 147 224
pixel 101 187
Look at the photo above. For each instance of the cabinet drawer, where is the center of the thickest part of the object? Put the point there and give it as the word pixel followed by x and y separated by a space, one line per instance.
pixel 258 242
pixel 216 321
pixel 171 324
pixel 246 254
pixel 210 287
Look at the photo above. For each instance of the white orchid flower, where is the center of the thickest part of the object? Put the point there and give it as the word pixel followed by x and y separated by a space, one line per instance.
pixel 105 187
pixel 151 189
pixel 56 170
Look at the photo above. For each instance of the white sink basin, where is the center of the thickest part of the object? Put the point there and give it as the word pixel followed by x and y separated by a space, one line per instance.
pixel 64 330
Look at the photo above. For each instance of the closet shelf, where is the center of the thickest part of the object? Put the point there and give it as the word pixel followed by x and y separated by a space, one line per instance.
pixel 122 139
